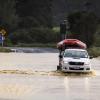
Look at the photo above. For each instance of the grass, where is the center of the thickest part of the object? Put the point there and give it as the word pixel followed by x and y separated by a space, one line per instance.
pixel 2 49
pixel 56 29
pixel 53 45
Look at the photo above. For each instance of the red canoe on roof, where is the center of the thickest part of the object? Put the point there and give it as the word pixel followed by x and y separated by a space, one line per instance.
pixel 71 43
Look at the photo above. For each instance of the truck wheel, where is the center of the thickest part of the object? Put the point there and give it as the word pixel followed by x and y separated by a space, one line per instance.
pixel 58 67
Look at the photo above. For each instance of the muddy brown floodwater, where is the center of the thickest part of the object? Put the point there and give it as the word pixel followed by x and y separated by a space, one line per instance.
pixel 33 76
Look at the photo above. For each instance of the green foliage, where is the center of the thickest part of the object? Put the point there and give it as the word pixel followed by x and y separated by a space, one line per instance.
pixel 35 35
pixel 51 45
pixel 97 40
pixel 97 37
pixel 94 51
pixel 7 42
pixel 20 16
pixel 4 49
pixel 34 13
pixel 56 29
pixel 83 26
pixel 8 17
pixel 15 14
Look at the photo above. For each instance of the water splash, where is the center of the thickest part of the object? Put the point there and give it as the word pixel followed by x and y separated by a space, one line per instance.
pixel 48 73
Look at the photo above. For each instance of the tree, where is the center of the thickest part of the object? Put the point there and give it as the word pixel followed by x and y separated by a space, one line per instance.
pixel 34 13
pixel 8 17
pixel 83 26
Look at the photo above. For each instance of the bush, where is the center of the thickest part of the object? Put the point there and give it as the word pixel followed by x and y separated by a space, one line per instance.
pixel 97 37
pixel 36 45
pixel 4 49
pixel 94 51
pixel 35 35
pixel 83 26
pixel 7 42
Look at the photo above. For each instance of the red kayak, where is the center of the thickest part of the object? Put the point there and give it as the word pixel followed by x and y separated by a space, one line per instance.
pixel 71 43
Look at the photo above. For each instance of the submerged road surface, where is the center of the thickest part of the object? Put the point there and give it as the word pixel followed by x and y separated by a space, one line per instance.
pixel 33 76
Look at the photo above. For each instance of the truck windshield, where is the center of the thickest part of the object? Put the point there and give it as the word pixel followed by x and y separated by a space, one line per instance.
pixel 76 53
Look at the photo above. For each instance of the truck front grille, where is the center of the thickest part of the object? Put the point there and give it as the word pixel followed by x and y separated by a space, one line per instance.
pixel 70 68
pixel 76 63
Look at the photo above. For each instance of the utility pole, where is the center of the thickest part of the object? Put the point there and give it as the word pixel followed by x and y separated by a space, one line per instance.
pixel 2 40
pixel 2 36
pixel 64 26
pixel 63 29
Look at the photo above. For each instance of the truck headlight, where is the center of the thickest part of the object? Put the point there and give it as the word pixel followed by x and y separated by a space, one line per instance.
pixel 65 62
pixel 87 63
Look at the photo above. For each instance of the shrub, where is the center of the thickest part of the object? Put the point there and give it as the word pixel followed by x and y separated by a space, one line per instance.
pixel 36 45
pixel 83 25
pixel 7 42
pixel 35 35
pixel 4 49
pixel 94 51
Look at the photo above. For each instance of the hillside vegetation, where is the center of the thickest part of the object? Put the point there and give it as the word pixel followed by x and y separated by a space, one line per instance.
pixel 34 21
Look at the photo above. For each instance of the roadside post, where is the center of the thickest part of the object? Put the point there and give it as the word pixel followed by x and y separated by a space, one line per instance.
pixel 2 39
pixel 64 29
pixel 2 36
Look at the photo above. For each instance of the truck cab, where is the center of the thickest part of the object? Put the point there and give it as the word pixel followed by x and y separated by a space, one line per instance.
pixel 75 60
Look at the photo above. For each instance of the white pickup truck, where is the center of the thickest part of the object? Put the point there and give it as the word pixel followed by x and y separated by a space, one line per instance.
pixel 74 60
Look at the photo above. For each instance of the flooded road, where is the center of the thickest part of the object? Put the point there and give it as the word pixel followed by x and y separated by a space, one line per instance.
pixel 33 76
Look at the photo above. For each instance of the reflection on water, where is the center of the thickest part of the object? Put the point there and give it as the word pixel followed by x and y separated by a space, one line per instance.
pixel 85 88
pixel 84 83
pixel 42 87
pixel 14 90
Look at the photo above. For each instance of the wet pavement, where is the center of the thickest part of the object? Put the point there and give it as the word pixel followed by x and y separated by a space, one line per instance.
pixel 33 76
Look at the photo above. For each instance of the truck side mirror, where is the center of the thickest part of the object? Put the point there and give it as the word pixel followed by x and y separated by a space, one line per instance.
pixel 60 56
